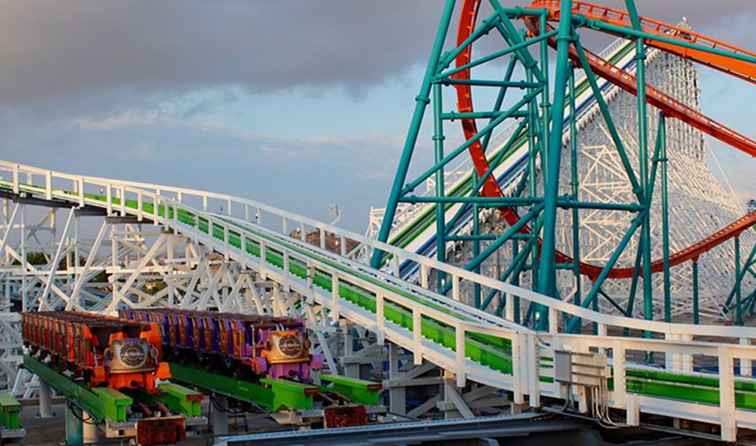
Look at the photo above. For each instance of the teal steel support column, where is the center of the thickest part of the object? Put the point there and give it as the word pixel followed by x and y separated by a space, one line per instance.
pixel 662 145
pixel 592 295
pixel 645 235
pixel 438 146
pixel 634 284
pixel 546 267
pixel 575 190
pixel 476 242
pixel 515 300
pixel 546 97
pixel 421 103
pixel 738 279
pixel 696 313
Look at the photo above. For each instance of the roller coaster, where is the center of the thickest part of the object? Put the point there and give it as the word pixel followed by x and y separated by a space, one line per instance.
pixel 496 282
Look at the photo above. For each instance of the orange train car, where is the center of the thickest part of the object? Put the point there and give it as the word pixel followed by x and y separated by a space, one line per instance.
pixel 103 351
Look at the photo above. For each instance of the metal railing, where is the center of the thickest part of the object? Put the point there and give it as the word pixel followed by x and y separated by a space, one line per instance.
pixel 270 229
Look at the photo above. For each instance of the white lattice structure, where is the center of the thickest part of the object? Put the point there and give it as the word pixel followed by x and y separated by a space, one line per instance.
pixel 699 205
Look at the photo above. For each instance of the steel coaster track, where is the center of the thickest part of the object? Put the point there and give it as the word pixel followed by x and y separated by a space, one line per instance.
pixel 743 67
pixel 417 234
pixel 469 343
pixel 669 105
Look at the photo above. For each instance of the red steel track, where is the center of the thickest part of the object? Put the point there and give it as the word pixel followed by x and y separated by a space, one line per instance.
pixel 670 106
pixel 734 67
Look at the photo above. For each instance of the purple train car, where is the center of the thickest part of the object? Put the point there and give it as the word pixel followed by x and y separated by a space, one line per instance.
pixel 271 346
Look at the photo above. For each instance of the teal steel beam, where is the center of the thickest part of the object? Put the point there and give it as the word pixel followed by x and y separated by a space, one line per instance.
pixel 517 260
pixel 494 163
pixel 590 298
pixel 476 242
pixel 481 201
pixel 634 33
pixel 481 30
pixel 575 190
pixel 505 236
pixel 740 275
pixel 464 146
pixel 455 116
pixel 738 287
pixel 613 302
pixel 484 237
pixel 567 202
pixel 421 102
pixel 545 112
pixel 604 109
pixel 508 31
pixel 634 283
pixel 645 239
pixel 490 83
pixel 518 48
pixel 662 145
pixel 438 153
pixel 547 272
pixel 696 308
pixel 500 97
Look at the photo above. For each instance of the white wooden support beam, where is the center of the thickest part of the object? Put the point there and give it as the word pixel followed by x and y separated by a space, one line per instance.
pixel 424 275
pixel 456 287
pixel 263 255
pixel 48 185
pixel 80 187
pixel 109 198
pixel 417 336
pixel 553 321
pixel 633 410
pixel 460 357
pixel 54 263
pixel 335 298
pixel 82 273
pixel 379 319
pixel 14 174
pixel 226 255
pixel 286 271
pixel 509 308
pixel 533 372
pixel 728 424
pixel 746 365
pixel 619 375
pixel 517 372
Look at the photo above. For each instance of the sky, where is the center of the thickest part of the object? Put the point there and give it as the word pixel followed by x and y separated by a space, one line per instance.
pixel 299 104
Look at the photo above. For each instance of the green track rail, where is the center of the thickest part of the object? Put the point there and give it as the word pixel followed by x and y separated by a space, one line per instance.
pixel 486 350
pixel 355 390
pixel 104 403
pixel 270 394
pixel 10 412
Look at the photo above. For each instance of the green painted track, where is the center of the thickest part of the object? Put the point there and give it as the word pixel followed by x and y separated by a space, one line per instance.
pixel 484 349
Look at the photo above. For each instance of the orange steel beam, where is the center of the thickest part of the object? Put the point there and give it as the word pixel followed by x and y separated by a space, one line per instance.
pixel 619 17
pixel 491 188
pixel 669 105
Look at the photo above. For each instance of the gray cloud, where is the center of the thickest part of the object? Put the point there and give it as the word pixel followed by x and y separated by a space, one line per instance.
pixel 51 48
